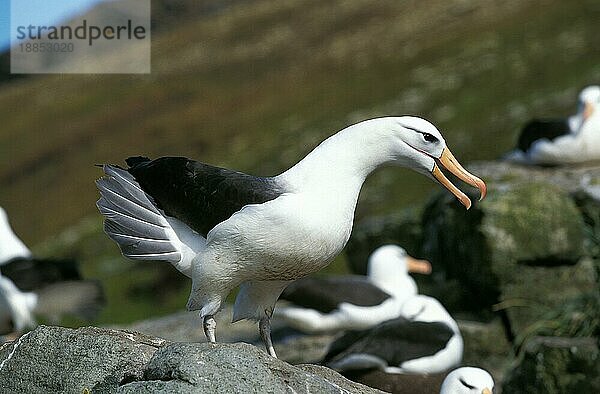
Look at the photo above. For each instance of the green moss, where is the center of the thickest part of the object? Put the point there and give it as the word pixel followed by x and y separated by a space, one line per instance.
pixel 555 365
pixel 533 223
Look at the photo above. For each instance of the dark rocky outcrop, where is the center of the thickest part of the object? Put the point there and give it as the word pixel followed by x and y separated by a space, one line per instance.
pixel 556 365
pixel 94 360
pixel 527 256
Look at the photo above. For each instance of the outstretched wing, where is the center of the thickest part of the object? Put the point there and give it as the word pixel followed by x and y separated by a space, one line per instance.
pixel 326 294
pixel 394 341
pixel 198 194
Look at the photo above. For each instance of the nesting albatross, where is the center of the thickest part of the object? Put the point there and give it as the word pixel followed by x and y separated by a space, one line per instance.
pixel 424 339
pixel 225 229
pixel 355 302
pixel 569 140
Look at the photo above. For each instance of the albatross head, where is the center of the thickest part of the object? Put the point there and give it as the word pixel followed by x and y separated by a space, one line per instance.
pixel 419 145
pixel 468 380
pixel 392 258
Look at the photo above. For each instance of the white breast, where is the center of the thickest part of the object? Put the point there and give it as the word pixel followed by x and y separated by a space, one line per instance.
pixel 283 239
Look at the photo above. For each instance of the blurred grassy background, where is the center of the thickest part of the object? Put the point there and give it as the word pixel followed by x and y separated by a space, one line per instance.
pixel 255 85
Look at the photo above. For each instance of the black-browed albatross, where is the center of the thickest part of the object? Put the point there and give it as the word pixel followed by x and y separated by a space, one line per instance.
pixel 225 229
pixel 423 339
pixel 558 141
pixel 354 302
pixel 31 286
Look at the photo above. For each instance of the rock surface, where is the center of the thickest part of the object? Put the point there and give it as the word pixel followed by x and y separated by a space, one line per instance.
pixel 94 360
pixel 228 368
pixel 556 365
pixel 63 360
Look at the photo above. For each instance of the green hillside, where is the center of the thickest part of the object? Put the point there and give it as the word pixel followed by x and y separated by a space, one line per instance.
pixel 258 84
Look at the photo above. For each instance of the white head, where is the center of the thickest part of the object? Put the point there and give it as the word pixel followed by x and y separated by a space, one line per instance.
pixel 388 268
pixel 468 380
pixel 416 143
pixel 589 101
pixel 407 141
pixel 391 262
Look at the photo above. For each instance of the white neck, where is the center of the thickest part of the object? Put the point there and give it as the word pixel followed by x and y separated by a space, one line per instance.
pixel 344 159
pixel 391 276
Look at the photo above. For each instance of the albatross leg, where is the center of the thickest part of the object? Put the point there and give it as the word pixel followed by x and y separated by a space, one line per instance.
pixel 209 328
pixel 264 326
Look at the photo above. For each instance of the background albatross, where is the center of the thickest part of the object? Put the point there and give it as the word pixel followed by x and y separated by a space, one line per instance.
pixel 574 139
pixel 225 229
pixel 356 302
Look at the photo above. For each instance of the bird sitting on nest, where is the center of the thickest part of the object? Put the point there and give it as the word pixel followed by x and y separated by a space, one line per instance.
pixel 354 302
pixel 225 229
pixel 424 339
pixel 569 140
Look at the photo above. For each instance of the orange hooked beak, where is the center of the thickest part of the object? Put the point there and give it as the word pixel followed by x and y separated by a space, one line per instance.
pixel 588 110
pixel 418 266
pixel 449 162
pixel 486 391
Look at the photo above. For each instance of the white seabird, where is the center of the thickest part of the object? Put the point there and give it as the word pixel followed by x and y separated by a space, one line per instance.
pixel 468 380
pixel 224 229
pixel 11 246
pixel 344 302
pixel 25 270
pixel 32 286
pixel 424 340
pixel 563 141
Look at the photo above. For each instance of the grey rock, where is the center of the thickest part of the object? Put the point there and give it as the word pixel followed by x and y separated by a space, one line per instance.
pixel 486 346
pixel 567 178
pixel 292 347
pixel 520 250
pixel 186 326
pixel 95 360
pixel 63 360
pixel 302 349
pixel 233 368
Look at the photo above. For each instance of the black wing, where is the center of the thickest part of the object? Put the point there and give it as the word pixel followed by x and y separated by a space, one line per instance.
pixel 326 294
pixel 395 341
pixel 198 194
pixel 538 129
pixel 30 274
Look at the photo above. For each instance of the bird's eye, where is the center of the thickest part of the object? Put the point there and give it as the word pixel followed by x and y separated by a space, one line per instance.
pixel 467 385
pixel 429 138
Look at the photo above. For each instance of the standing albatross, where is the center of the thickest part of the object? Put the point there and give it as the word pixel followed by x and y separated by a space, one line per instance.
pixel 225 229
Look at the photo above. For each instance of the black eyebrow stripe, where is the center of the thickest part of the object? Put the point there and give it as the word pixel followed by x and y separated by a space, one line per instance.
pixel 413 129
pixel 466 384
